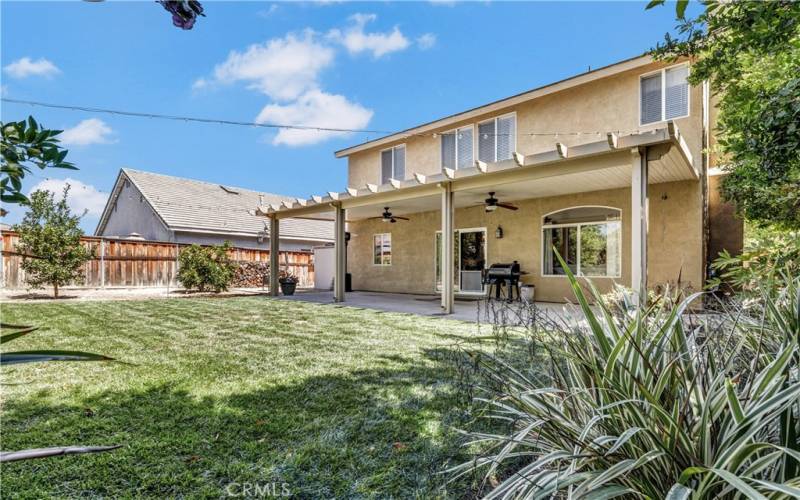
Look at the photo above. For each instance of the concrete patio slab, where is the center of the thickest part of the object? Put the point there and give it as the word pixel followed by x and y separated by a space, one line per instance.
pixel 423 305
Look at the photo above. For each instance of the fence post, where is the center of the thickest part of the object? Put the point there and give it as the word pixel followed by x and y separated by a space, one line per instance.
pixel 3 260
pixel 177 263
pixel 102 263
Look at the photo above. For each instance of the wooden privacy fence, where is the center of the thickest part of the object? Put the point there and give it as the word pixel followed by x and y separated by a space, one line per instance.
pixel 132 263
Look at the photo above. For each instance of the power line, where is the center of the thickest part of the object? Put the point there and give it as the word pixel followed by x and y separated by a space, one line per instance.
pixel 313 128
pixel 191 118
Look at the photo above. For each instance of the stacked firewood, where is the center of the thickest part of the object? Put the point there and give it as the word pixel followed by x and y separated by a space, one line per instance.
pixel 251 274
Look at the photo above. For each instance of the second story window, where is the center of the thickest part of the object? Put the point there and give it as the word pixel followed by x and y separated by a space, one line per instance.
pixel 393 164
pixel 497 138
pixel 457 148
pixel 664 95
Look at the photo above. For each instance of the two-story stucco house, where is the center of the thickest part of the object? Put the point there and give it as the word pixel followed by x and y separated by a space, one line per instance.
pixel 610 168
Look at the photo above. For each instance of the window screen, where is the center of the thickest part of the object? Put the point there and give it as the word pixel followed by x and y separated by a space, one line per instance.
pixel 487 141
pixel 386 166
pixel 449 150
pixel 506 137
pixel 651 98
pixel 464 146
pixel 399 163
pixel 677 92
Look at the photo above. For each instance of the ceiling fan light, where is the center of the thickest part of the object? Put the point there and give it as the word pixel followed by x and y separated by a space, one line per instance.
pixel 491 208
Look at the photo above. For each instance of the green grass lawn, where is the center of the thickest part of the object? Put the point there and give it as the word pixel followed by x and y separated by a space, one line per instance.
pixel 334 402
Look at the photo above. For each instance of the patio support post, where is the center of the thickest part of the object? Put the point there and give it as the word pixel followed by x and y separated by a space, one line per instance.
pixel 274 253
pixel 341 254
pixel 639 216
pixel 447 258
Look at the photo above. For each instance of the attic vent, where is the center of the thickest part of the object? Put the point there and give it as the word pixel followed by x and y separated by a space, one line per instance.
pixel 228 190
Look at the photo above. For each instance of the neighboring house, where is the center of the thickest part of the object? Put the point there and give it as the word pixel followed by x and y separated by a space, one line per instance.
pixel 156 207
pixel 609 167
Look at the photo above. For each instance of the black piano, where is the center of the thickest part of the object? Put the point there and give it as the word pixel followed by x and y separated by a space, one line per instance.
pixel 503 275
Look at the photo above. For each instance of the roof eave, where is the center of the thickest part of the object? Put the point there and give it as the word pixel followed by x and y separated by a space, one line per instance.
pixel 550 88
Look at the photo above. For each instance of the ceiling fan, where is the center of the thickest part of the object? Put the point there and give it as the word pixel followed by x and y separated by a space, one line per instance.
pixel 491 203
pixel 387 216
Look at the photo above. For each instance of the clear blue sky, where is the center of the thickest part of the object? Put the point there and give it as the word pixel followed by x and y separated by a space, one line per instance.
pixel 386 65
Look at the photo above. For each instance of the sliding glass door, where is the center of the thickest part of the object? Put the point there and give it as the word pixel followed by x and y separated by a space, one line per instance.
pixel 469 259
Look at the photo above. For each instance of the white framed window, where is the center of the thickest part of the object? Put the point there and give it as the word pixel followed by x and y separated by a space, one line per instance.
pixel 393 163
pixel 457 148
pixel 382 249
pixel 589 239
pixel 497 138
pixel 664 95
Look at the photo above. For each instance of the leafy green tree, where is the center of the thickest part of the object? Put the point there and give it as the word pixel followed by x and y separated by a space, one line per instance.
pixel 50 242
pixel 25 145
pixel 750 54
pixel 203 268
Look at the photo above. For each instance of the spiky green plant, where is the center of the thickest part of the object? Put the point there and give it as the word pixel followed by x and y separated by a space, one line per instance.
pixel 650 403
pixel 13 358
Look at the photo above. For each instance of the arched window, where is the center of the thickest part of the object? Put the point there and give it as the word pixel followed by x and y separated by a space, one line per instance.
pixel 589 239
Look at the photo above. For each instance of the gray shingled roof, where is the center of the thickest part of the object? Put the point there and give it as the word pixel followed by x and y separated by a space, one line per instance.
pixel 186 204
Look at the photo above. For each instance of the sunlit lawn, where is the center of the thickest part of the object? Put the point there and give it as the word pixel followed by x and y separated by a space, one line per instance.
pixel 334 402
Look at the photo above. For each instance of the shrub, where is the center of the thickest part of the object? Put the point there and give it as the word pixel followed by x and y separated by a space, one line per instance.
pixel 768 256
pixel 203 268
pixel 648 403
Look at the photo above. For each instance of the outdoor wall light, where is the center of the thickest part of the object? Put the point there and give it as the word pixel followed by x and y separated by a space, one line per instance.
pixel 498 233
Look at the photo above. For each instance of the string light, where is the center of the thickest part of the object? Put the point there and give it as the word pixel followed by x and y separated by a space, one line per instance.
pixel 311 128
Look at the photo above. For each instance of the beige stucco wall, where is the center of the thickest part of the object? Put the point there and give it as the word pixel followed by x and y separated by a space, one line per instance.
pixel 608 104
pixel 674 241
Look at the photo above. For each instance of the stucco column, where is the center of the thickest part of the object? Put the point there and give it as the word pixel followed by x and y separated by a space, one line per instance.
pixel 274 253
pixel 639 216
pixel 446 258
pixel 341 254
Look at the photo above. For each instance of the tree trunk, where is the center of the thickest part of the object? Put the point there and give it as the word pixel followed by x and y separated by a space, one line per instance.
pixel 55 290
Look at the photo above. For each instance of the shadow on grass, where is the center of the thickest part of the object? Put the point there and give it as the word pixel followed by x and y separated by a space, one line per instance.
pixel 385 432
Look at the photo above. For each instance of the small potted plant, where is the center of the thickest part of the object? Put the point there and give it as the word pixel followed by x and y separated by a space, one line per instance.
pixel 288 282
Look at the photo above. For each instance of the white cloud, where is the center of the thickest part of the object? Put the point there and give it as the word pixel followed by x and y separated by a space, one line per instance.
pixel 200 84
pixel 82 197
pixel 282 68
pixel 355 40
pixel 26 67
pixel 445 3
pixel 318 109
pixel 91 131
pixel 426 41
pixel 265 13
pixel 3 90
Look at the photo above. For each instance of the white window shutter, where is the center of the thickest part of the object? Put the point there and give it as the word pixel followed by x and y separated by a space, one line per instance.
pixel 677 92
pixel 486 141
pixel 651 98
pixel 506 137
pixel 464 144
pixel 399 163
pixel 449 150
pixel 386 166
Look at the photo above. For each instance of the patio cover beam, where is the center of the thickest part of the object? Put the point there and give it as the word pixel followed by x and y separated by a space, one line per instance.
pixel 639 223
pixel 341 254
pixel 274 254
pixel 446 258
pixel 559 160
